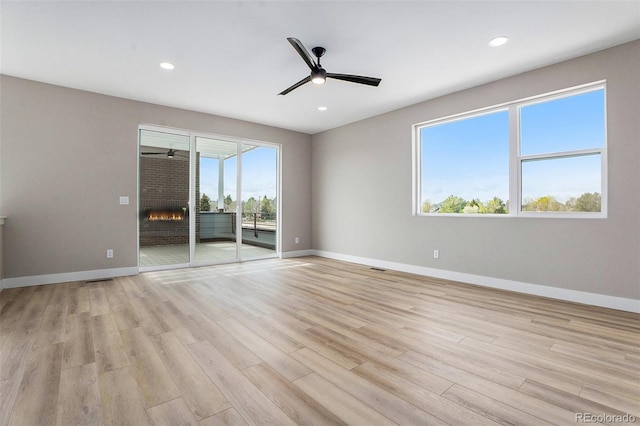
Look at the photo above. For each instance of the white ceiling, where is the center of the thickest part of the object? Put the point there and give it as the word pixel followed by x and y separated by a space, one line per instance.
pixel 232 57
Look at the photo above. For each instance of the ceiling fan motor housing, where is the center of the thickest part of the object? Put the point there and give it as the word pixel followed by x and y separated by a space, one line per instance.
pixel 318 75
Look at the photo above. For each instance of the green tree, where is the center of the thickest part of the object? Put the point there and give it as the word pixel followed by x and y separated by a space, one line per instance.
pixel 544 204
pixel 267 208
pixel 541 204
pixel 496 206
pixel 229 204
pixel 589 202
pixel 251 206
pixel 452 204
pixel 571 204
pixel 427 207
pixel 205 203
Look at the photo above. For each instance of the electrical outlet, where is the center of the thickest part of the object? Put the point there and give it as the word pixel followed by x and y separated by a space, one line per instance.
pixel 436 254
pixel 109 253
pixel 297 240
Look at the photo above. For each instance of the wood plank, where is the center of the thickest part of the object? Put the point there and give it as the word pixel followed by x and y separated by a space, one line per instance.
pixel 78 299
pixel 9 390
pixel 107 344
pixel 251 404
pixel 52 328
pixel 149 318
pixel 155 383
pixel 491 408
pixel 126 316
pixel 228 417
pixel 271 334
pixel 36 400
pixel 177 319
pixel 512 397
pixel 78 341
pixel 278 360
pixel 409 372
pixel 121 402
pixel 14 353
pixel 430 402
pixel 565 400
pixel 392 407
pixel 202 397
pixel 311 338
pixel 489 353
pixel 171 413
pixel 233 350
pixel 629 403
pixel 299 406
pixel 12 311
pixel 98 299
pixel 79 400
pixel 348 408
pixel 560 364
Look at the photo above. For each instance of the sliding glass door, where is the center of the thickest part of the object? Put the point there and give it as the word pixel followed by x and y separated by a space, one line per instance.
pixel 205 199
pixel 216 200
pixel 259 200
pixel 163 235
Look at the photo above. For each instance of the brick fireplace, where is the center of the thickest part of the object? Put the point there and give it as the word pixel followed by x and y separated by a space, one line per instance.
pixel 164 200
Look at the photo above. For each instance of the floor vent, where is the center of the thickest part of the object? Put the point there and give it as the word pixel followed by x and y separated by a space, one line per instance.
pixel 99 281
pixel 379 269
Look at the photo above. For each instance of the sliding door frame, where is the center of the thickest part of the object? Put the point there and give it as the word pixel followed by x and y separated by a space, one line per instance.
pixel 192 194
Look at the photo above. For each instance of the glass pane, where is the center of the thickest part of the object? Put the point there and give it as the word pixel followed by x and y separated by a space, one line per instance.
pixel 565 124
pixel 164 199
pixel 259 202
pixel 569 184
pixel 465 165
pixel 215 200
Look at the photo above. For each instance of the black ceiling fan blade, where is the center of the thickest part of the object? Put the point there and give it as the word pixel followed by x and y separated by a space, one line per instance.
pixel 295 86
pixel 303 52
pixel 370 81
pixel 169 154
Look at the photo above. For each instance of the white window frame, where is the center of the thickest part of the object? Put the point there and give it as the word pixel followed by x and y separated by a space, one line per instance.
pixel 516 159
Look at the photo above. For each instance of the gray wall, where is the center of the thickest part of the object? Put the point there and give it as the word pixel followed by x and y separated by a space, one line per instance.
pixel 361 182
pixel 67 155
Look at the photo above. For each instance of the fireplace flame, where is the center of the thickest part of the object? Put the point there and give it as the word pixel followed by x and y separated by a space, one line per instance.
pixel 165 215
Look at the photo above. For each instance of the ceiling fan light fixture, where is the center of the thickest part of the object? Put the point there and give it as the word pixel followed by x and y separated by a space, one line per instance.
pixel 318 76
pixel 498 41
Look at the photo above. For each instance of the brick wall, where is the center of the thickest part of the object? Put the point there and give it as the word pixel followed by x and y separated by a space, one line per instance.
pixel 164 184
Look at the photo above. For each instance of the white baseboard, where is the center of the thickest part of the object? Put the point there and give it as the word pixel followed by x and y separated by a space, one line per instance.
pixel 297 253
pixel 67 277
pixel 602 300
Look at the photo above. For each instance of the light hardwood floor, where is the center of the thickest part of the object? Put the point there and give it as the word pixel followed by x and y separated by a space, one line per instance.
pixel 308 341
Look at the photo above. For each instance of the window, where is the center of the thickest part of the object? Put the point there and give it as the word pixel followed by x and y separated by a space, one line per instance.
pixel 465 164
pixel 538 157
pixel 561 144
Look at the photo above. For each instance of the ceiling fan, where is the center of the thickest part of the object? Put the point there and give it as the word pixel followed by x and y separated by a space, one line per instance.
pixel 318 74
pixel 169 154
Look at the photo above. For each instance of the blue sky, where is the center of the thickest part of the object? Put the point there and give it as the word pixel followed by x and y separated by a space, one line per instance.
pixel 259 175
pixel 477 150
pixel 470 158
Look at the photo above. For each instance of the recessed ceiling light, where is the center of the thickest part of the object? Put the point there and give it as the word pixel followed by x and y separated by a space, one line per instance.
pixel 322 108
pixel 167 65
pixel 498 41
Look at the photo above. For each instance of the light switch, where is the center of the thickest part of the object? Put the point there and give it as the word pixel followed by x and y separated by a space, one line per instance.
pixel 124 201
